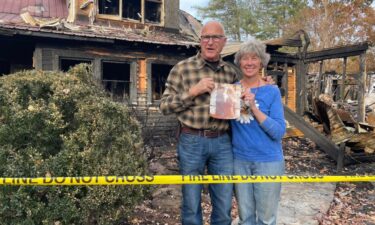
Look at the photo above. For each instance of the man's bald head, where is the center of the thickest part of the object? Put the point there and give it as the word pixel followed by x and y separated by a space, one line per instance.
pixel 212 41
pixel 213 24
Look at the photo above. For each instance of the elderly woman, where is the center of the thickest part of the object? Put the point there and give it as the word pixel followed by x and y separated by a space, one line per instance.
pixel 257 137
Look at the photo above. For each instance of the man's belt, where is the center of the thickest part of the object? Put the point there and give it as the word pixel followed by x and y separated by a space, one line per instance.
pixel 203 132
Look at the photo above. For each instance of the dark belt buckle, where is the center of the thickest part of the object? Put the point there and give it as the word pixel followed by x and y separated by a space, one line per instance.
pixel 208 134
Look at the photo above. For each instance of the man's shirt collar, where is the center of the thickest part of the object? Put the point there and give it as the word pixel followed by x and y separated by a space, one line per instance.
pixel 202 62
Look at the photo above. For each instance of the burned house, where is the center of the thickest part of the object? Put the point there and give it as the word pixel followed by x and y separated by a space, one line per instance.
pixel 131 44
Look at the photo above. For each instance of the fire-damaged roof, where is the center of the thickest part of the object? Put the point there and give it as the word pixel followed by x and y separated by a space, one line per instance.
pixel 11 9
pixel 294 40
pixel 44 10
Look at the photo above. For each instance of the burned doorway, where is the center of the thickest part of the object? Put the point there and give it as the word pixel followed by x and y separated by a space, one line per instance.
pixel 159 73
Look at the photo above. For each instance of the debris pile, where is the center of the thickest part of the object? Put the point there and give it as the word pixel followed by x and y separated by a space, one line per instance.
pixel 340 125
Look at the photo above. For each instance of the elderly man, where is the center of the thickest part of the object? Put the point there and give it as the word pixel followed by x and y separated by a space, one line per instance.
pixel 203 142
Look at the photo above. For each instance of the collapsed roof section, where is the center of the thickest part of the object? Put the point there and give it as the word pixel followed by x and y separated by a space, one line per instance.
pixel 299 40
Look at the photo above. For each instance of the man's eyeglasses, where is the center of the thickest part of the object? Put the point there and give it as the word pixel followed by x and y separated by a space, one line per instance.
pixel 215 38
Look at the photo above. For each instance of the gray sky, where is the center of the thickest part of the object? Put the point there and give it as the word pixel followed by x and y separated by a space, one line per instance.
pixel 186 5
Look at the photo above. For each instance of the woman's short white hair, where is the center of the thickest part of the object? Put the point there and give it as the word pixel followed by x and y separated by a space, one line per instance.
pixel 253 46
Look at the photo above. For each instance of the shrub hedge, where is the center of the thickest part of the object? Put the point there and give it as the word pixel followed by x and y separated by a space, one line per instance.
pixel 62 124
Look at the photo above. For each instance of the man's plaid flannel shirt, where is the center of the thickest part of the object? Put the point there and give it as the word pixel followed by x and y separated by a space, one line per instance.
pixel 194 113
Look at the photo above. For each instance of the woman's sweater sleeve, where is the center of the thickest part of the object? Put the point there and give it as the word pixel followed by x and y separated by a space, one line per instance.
pixel 275 124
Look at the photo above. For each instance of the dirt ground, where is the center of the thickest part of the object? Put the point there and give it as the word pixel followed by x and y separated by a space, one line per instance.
pixel 353 203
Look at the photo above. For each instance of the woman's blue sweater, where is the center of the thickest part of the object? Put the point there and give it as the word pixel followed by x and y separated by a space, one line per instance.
pixel 261 142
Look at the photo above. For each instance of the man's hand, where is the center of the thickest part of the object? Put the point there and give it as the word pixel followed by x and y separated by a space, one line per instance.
pixel 203 86
pixel 269 80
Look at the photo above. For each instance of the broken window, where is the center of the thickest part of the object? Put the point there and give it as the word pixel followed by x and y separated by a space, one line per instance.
pixel 4 68
pixel 15 55
pixel 116 79
pixel 109 7
pixel 159 74
pixel 153 11
pixel 132 9
pixel 66 63
pixel 148 11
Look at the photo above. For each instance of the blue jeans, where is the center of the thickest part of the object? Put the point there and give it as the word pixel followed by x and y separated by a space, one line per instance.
pixel 194 154
pixel 258 202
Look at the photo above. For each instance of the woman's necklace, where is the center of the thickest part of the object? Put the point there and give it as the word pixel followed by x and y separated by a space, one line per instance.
pixel 244 87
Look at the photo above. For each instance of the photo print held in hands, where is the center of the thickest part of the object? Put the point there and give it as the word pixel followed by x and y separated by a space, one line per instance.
pixel 225 101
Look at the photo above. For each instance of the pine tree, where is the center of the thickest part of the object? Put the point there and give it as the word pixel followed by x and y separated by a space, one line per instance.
pixel 262 19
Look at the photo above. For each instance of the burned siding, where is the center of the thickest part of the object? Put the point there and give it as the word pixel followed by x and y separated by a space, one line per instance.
pixel 130 83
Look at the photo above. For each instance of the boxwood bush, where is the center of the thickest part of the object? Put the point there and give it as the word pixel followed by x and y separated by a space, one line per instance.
pixel 62 124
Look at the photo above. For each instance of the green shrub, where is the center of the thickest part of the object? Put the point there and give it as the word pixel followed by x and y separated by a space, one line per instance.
pixel 56 124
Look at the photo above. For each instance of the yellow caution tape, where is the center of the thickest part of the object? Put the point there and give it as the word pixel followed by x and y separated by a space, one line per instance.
pixel 176 179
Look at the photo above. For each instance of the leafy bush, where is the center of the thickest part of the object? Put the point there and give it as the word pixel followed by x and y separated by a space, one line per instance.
pixel 56 124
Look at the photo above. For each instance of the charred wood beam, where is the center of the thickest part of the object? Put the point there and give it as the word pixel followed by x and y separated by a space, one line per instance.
pixel 275 73
pixel 293 41
pixel 284 83
pixel 343 78
pixel 310 132
pixel 18 32
pixel 301 98
pixel 361 88
pixel 285 42
pixel 319 80
pixel 115 54
pixel 62 36
pixel 7 32
pixel 339 52
pixel 290 59
pixel 360 157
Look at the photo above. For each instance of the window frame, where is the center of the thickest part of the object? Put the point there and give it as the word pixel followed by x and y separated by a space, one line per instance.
pixel 150 101
pixel 54 54
pixel 132 76
pixel 60 58
pixel 143 11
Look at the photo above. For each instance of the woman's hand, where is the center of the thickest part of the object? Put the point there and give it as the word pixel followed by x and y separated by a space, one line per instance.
pixel 249 98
